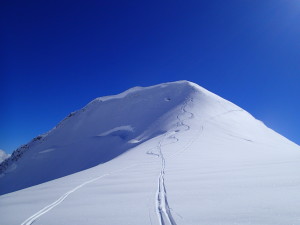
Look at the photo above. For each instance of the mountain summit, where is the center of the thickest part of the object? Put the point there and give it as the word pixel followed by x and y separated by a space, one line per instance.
pixel 168 154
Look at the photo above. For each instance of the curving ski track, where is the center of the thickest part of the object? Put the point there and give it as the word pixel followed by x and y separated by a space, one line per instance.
pixel 46 209
pixel 163 209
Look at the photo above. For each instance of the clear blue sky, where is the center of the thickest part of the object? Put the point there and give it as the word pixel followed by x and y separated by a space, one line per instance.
pixel 56 56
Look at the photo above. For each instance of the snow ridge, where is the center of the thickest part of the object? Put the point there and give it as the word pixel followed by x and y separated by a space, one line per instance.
pixel 183 145
pixel 18 153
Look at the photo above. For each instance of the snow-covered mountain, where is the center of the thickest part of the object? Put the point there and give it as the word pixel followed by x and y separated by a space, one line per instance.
pixel 169 154
pixel 3 155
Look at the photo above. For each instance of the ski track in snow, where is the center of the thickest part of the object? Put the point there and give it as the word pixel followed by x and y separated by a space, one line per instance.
pixel 202 128
pixel 46 209
pixel 162 205
pixel 163 209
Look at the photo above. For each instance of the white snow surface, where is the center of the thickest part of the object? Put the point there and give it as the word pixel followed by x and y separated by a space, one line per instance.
pixel 3 155
pixel 169 154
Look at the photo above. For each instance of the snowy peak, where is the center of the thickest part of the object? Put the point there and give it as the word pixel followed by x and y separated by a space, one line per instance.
pixel 168 154
pixel 109 126
pixel 184 86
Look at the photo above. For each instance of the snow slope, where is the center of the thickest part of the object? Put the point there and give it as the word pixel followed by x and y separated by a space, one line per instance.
pixel 169 154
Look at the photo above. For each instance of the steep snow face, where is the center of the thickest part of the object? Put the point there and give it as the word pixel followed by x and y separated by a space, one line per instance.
pixel 3 155
pixel 169 154
pixel 102 130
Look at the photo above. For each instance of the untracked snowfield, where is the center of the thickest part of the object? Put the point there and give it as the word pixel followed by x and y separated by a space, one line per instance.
pixel 170 154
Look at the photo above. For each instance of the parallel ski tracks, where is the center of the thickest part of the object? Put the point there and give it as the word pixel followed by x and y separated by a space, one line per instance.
pixel 163 209
pixel 46 209
pixel 165 215
pixel 49 207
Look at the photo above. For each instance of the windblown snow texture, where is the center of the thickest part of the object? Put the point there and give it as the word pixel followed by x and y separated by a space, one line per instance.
pixel 169 154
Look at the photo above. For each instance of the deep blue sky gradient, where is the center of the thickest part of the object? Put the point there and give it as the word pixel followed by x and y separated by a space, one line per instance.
pixel 56 56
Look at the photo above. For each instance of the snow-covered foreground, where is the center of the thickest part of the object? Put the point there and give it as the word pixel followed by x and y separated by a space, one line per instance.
pixel 169 154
